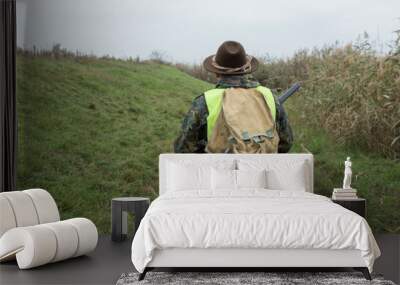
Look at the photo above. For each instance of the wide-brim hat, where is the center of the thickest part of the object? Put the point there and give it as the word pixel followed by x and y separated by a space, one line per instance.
pixel 231 59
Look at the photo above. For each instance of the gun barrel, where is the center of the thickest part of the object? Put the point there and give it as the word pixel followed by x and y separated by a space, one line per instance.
pixel 293 89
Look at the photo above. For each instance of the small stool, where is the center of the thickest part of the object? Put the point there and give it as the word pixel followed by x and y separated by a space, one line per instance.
pixel 119 209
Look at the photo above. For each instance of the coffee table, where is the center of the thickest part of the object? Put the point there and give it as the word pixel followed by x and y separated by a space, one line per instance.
pixel 120 207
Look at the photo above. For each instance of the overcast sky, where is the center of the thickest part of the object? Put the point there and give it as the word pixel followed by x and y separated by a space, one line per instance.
pixel 188 30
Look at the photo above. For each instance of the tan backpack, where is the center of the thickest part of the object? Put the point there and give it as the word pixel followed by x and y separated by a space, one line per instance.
pixel 244 124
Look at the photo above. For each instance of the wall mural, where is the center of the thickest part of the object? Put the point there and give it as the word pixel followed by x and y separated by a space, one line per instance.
pixel 98 102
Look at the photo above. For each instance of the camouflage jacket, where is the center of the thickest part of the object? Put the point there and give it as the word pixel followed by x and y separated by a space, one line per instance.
pixel 193 136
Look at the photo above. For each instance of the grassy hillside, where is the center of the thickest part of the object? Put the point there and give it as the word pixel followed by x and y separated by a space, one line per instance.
pixel 92 129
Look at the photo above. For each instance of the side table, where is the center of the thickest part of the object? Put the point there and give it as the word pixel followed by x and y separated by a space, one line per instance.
pixel 120 207
pixel 358 205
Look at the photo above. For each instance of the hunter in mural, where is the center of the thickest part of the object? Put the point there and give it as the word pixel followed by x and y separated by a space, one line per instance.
pixel 238 115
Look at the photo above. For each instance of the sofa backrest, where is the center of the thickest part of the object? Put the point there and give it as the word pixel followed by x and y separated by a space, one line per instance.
pixel 26 208
pixel 269 161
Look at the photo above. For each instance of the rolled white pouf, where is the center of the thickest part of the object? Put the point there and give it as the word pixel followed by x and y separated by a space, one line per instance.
pixel 23 208
pixel 33 246
pixel 67 240
pixel 87 235
pixel 7 218
pixel 46 207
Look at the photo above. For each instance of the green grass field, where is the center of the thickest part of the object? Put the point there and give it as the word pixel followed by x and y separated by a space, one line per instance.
pixel 92 129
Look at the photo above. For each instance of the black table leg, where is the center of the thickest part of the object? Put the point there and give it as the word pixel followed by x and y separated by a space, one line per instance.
pixel 116 222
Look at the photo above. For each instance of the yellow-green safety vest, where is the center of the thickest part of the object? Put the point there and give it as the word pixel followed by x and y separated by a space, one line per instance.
pixel 214 102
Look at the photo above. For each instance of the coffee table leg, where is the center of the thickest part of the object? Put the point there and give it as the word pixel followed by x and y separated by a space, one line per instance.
pixel 124 225
pixel 116 222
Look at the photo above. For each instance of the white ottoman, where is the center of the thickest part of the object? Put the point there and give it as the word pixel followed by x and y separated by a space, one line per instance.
pixel 31 232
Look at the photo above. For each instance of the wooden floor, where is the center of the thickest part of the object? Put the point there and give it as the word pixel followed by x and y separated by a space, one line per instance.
pixel 110 260
pixel 103 266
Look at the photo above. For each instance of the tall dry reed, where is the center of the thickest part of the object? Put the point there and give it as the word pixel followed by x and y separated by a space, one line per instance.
pixel 350 91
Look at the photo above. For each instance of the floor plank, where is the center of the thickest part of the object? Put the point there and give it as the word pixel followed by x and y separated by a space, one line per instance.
pixel 110 260
pixel 389 262
pixel 103 266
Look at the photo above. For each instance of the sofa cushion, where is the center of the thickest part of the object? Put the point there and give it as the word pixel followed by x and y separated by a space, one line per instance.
pixel 45 206
pixel 40 244
pixel 7 220
pixel 26 208
pixel 23 208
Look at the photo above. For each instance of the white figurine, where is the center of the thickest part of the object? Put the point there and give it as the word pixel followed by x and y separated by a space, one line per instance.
pixel 347 174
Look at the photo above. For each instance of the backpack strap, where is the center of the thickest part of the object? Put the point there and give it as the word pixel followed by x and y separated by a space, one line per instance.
pixel 269 99
pixel 214 103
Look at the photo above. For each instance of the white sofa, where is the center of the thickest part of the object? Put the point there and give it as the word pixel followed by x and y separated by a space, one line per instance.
pixel 31 231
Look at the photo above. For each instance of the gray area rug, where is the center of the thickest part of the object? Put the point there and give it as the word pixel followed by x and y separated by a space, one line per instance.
pixel 269 278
